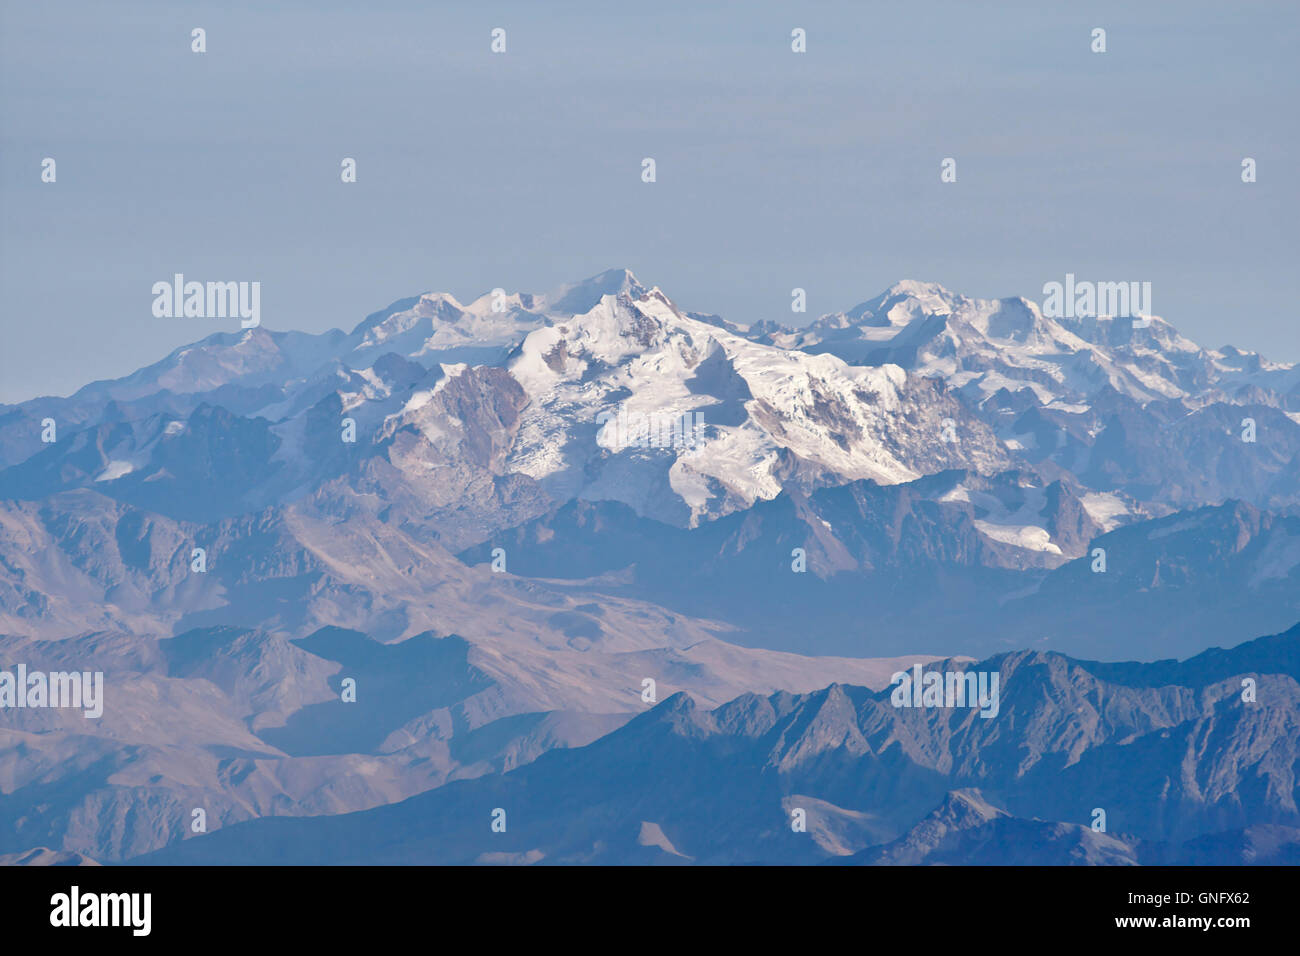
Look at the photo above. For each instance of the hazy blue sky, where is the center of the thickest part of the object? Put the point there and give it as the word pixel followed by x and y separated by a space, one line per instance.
pixel 522 170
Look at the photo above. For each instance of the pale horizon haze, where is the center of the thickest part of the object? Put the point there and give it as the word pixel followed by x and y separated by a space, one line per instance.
pixel 522 170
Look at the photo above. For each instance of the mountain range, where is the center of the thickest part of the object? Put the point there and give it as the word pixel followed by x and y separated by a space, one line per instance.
pixel 501 518
pixel 1183 767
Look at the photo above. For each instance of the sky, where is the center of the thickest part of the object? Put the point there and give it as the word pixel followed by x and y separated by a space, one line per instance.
pixel 522 170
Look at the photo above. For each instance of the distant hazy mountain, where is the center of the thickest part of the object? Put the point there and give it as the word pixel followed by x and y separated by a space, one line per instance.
pixel 966 830
pixel 983 346
pixel 955 563
pixel 244 420
pixel 502 518
pixel 236 445
pixel 1180 763
pixel 1126 406
pixel 244 724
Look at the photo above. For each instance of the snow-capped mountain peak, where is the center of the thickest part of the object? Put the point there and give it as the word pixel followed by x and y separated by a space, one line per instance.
pixel 761 415
pixel 915 380
pixel 576 298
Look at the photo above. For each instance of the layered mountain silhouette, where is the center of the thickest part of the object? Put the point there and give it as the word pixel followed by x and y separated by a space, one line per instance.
pixel 242 723
pixel 640 576
pixel 1183 762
